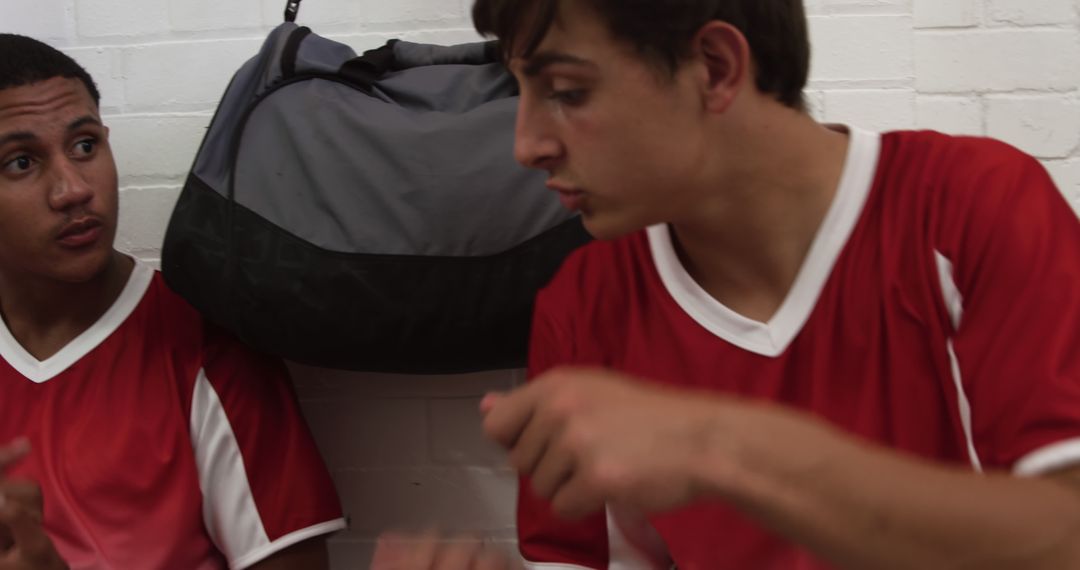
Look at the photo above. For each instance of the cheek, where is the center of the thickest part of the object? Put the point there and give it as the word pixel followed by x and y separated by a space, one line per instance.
pixel 18 233
pixel 105 183
pixel 106 168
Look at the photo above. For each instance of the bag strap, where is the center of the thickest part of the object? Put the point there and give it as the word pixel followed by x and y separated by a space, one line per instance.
pixel 292 51
pixel 363 71
pixel 409 54
pixel 292 7
pixel 396 55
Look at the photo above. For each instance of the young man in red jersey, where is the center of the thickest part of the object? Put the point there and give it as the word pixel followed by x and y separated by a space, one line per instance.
pixel 797 346
pixel 143 436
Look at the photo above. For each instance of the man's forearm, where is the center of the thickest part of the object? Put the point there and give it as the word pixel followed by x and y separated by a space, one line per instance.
pixel 860 506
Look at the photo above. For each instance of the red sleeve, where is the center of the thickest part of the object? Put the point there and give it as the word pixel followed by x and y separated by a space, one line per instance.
pixel 1009 260
pixel 542 536
pixel 264 483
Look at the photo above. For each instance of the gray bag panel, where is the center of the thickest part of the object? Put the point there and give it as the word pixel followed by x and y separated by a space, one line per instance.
pixel 318 55
pixel 448 88
pixel 440 165
pixel 411 168
pixel 214 161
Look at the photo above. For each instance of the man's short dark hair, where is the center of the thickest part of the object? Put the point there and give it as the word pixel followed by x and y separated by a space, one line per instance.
pixel 25 60
pixel 662 30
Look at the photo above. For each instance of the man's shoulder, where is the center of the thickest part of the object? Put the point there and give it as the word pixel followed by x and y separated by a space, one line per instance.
pixel 167 304
pixel 598 269
pixel 186 327
pixel 947 177
pixel 953 156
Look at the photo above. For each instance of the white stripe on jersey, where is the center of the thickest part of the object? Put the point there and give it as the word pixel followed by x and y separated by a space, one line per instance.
pixel 229 511
pixel 633 543
pixel 954 302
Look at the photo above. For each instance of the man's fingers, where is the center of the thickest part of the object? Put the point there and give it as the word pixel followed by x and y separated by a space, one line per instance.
pixel 421 555
pixel 24 524
pixel 489 402
pixel 434 552
pixel 25 493
pixel 457 555
pixel 13 452
pixel 405 552
pixel 577 498
pixel 490 559
pixel 391 551
pixel 554 470
pixel 509 414
pixel 535 441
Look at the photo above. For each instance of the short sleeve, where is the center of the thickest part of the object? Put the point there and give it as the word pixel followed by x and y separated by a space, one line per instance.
pixel 542 537
pixel 599 541
pixel 1009 260
pixel 265 486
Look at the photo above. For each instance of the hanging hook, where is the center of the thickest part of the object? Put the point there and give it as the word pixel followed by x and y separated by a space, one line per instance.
pixel 291 8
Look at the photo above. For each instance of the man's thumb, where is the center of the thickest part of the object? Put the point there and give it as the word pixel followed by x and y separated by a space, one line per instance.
pixel 13 452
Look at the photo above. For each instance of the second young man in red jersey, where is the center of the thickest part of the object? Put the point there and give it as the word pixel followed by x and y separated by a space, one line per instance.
pixel 798 345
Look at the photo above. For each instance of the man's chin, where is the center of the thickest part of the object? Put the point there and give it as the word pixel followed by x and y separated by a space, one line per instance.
pixel 86 268
pixel 606 228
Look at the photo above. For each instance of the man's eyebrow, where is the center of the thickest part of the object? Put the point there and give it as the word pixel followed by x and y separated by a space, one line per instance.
pixel 17 136
pixel 82 122
pixel 539 61
pixel 26 136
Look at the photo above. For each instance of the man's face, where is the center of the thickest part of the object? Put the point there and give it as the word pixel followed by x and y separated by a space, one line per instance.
pixel 622 142
pixel 58 183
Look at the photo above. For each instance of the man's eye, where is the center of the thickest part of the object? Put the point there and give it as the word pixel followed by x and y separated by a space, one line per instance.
pixel 85 147
pixel 19 164
pixel 570 97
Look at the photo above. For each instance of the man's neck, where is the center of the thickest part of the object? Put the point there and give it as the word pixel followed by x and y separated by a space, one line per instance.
pixel 748 240
pixel 45 315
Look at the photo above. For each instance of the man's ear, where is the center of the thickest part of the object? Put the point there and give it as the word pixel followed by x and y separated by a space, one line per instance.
pixel 725 55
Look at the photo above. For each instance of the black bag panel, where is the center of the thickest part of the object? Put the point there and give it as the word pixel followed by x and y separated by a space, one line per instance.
pixel 379 313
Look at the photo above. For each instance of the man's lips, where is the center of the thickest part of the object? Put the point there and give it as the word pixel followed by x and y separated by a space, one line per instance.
pixel 80 233
pixel 571 198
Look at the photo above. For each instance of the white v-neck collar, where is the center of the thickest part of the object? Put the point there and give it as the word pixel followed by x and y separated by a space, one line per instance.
pixel 772 339
pixel 41 371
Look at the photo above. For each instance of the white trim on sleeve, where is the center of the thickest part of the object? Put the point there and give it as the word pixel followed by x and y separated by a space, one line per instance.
pixel 1049 458
pixel 286 541
pixel 634 551
pixel 633 544
pixel 229 512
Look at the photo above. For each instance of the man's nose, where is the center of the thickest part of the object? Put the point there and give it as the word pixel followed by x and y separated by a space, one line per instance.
pixel 535 143
pixel 69 186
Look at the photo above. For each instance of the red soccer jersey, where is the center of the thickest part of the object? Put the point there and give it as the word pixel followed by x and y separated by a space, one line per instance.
pixel 160 442
pixel 937 313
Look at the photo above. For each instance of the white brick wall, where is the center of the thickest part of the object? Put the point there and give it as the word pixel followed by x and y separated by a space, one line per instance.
pixel 407 451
